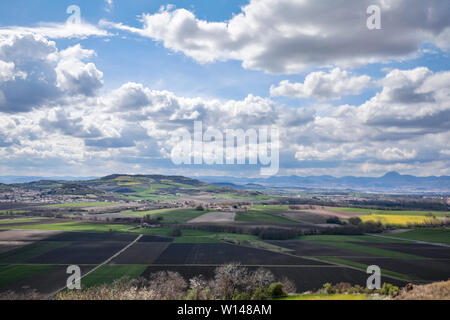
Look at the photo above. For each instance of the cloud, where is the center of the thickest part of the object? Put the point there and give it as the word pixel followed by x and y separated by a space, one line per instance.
pixel 75 76
pixel 323 86
pixel 67 122
pixel 287 36
pixel 69 30
pixel 34 73
pixel 416 98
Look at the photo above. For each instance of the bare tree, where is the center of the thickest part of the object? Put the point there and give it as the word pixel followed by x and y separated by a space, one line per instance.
pixel 261 278
pixel 228 278
pixel 167 285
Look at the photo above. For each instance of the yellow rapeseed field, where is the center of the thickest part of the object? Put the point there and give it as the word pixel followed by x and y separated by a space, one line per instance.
pixel 401 220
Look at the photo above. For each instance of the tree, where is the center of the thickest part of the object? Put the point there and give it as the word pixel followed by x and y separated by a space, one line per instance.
pixel 355 221
pixel 228 278
pixel 276 290
pixel 167 285
pixel 261 278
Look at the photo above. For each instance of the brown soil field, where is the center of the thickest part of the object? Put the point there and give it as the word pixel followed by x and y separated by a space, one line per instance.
pixel 26 235
pixel 92 236
pixel 304 216
pixel 149 238
pixel 419 269
pixel 45 282
pixel 81 252
pixel 215 217
pixel 6 246
pixel 306 248
pixel 221 253
pixel 141 253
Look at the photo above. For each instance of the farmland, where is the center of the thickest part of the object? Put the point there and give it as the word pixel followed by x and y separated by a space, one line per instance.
pixel 207 227
pixel 429 235
pixel 309 261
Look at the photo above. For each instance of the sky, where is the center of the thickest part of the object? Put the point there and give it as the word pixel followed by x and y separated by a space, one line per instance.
pixel 108 90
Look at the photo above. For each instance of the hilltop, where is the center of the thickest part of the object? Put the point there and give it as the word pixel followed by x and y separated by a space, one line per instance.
pixel 132 187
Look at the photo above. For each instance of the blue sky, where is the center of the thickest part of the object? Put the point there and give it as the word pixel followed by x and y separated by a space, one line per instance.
pixel 347 100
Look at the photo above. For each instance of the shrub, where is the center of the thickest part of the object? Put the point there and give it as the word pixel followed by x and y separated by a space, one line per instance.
pixel 355 221
pixel 241 296
pixel 334 220
pixel 175 232
pixel 260 294
pixel 276 290
pixel 328 288
pixel 389 289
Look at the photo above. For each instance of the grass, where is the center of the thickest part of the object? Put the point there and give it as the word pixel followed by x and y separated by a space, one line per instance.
pixel 169 215
pixel 261 216
pixel 363 267
pixel 326 297
pixel 398 220
pixel 12 212
pixel 75 226
pixel 347 238
pixel 24 220
pixel 194 239
pixel 269 207
pixel 16 272
pixel 392 212
pixel 440 235
pixel 348 242
pixel 30 251
pixel 370 250
pixel 80 204
pixel 108 273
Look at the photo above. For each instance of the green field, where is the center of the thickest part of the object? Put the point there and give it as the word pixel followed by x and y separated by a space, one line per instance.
pixel 23 220
pixel 169 215
pixel 35 249
pixel 261 216
pixel 393 212
pixel 369 250
pixel 269 207
pixel 12 273
pixel 74 226
pixel 346 238
pixel 348 242
pixel 80 204
pixel 439 235
pixel 12 212
pixel 108 273
pixel 363 267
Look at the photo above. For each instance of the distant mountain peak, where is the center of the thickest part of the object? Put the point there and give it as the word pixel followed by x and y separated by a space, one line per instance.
pixel 392 174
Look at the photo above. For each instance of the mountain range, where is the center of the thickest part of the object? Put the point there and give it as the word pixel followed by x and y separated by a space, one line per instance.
pixel 390 182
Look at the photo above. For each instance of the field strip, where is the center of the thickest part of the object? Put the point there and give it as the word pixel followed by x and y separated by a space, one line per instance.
pixel 333 264
pixel 411 240
pixel 103 263
pixel 362 270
